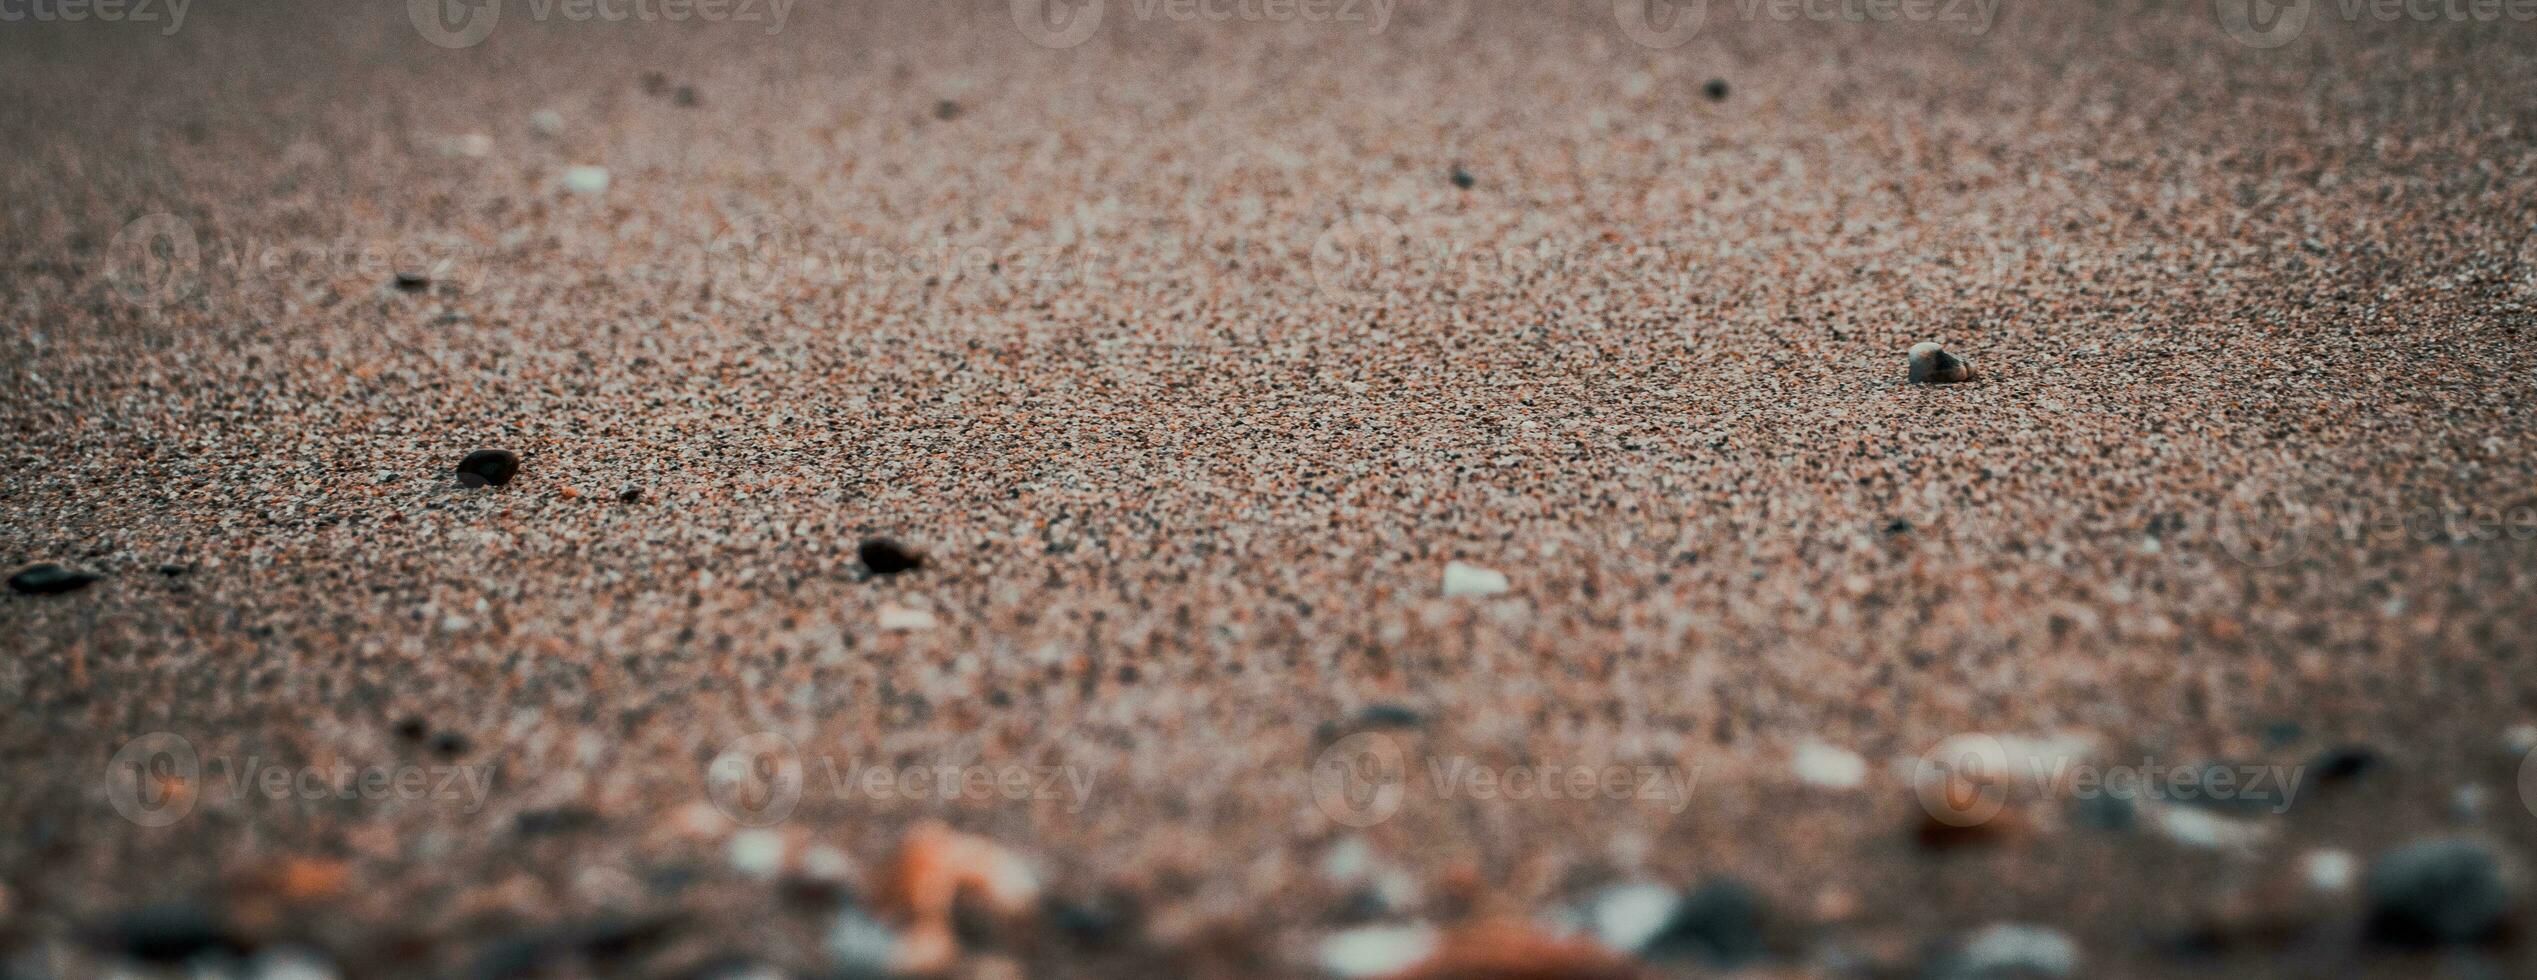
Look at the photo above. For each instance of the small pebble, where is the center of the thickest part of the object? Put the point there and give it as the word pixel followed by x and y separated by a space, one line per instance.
pixel 2204 830
pixel 1625 918
pixel 547 123
pixel 1385 714
pixel 586 179
pixel 449 745
pixel 1462 178
pixel 2329 870
pixel 902 619
pixel 1472 580
pixel 655 83
pixel 1720 921
pixel 1829 766
pixel 1377 951
pixel 2468 803
pixel 488 468
pixel 1715 90
pixel 2438 892
pixel 686 96
pixel 2520 740
pixel 946 110
pixel 630 494
pixel 472 146
pixel 412 282
pixel 757 853
pixel 1932 364
pixel 173 933
pixel 2343 763
pixel 46 578
pixel 2010 949
pixel 882 556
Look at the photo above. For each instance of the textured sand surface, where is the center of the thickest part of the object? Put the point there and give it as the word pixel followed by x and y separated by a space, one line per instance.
pixel 1190 367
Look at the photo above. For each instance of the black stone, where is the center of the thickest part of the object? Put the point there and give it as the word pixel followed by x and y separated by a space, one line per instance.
pixel 46 578
pixel 1462 178
pixel 1385 714
pixel 2437 892
pixel 411 729
pixel 630 494
pixel 2344 763
pixel 1716 90
pixel 175 932
pixel 556 820
pixel 409 282
pixel 449 745
pixel 883 556
pixel 488 467
pixel 686 96
pixel 1721 922
pixel 946 110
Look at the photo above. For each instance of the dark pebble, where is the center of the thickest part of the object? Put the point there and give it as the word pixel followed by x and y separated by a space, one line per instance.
pixel 882 556
pixel 46 578
pixel 2344 763
pixel 449 745
pixel 488 467
pixel 2104 811
pixel 556 820
pixel 655 83
pixel 175 932
pixel 686 96
pixel 1721 922
pixel 1386 714
pixel 630 494
pixel 1462 178
pixel 411 729
pixel 407 282
pixel 1716 90
pixel 172 569
pixel 2437 892
pixel 946 110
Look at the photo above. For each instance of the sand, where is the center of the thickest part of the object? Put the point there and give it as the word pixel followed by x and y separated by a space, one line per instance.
pixel 1186 362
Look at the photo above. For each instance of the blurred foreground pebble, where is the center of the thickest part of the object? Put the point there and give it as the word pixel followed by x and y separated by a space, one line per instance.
pixel 46 578
pixel 1932 364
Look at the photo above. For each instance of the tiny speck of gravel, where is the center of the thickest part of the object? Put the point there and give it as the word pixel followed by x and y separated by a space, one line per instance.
pixel 882 556
pixel 409 282
pixel 449 745
pixel 411 729
pixel 629 494
pixel 946 110
pixel 46 578
pixel 655 83
pixel 1716 90
pixel 1462 178
pixel 686 97
pixel 488 468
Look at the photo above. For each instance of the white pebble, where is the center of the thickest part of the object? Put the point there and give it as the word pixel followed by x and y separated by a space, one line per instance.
pixel 902 619
pixel 1829 766
pixel 757 853
pixel 472 146
pixel 2201 829
pixel 1470 580
pixel 2014 949
pixel 586 179
pixel 1374 951
pixel 547 123
pixel 1625 917
pixel 2329 870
